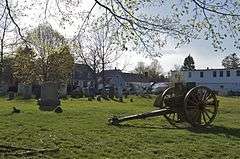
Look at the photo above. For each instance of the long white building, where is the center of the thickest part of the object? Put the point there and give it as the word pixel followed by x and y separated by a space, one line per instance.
pixel 221 80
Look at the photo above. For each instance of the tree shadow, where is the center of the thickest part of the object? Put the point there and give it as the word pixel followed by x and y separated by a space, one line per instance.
pixel 144 127
pixel 216 130
pixel 117 100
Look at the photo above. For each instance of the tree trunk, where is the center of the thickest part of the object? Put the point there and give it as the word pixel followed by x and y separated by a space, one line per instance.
pixel 95 74
pixel 1 54
pixel 103 74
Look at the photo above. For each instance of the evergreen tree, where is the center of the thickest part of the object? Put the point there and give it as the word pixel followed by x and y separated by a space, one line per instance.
pixel 188 63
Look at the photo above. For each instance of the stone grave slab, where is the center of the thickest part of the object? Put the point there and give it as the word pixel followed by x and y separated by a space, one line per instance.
pixel 49 96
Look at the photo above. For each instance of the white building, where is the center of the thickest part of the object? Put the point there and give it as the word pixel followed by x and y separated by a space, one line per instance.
pixel 221 80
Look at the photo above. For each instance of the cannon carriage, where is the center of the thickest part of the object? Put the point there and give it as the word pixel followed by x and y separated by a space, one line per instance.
pixel 184 103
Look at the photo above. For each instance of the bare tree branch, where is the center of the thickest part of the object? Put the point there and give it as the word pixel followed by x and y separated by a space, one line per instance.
pixel 203 6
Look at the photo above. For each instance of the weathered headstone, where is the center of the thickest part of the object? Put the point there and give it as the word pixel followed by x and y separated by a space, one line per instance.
pixel 62 90
pixel 125 94
pixel 11 92
pixel 10 95
pixel 3 88
pixel 91 91
pixel 49 96
pixel 104 95
pixel 99 98
pixel 25 91
pixel 120 99
pixel 36 90
pixel 119 92
pixel 111 92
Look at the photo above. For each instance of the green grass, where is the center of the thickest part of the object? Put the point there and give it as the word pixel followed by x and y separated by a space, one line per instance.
pixel 81 131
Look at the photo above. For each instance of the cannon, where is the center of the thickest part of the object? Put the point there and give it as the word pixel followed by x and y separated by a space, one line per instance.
pixel 181 105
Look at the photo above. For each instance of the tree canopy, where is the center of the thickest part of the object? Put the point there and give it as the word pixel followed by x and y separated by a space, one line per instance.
pixel 60 64
pixel 231 61
pixel 49 59
pixel 154 70
pixel 54 60
pixel 24 69
pixel 148 24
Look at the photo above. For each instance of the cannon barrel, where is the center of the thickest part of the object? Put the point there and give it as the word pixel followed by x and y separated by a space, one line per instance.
pixel 116 120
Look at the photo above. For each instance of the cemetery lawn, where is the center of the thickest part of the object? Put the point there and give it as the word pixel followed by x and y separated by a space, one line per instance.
pixel 81 131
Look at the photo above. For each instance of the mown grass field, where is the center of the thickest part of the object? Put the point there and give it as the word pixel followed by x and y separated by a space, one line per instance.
pixel 81 131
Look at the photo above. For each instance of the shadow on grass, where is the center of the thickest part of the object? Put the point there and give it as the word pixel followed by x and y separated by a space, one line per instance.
pixel 20 99
pixel 144 127
pixel 217 130
pixel 117 100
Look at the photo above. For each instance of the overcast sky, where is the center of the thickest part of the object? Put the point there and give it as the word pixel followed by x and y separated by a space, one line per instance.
pixel 201 51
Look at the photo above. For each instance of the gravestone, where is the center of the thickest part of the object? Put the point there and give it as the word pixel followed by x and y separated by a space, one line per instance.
pixel 120 99
pixel 119 87
pixel 49 97
pixel 25 91
pixel 91 91
pixel 11 92
pixel 62 90
pixel 3 88
pixel 99 98
pixel 120 92
pixel 111 92
pixel 104 95
pixel 36 90
pixel 10 95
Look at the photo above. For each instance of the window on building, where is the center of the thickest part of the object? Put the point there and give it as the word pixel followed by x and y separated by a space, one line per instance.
pixel 201 74
pixel 214 74
pixel 189 74
pixel 238 72
pixel 228 73
pixel 221 74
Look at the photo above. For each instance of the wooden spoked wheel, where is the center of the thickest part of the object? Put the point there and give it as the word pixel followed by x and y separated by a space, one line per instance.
pixel 168 102
pixel 200 106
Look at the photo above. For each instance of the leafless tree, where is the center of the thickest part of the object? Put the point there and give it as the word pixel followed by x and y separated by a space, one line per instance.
pixel 96 48
pixel 4 27
pixel 86 53
pixel 107 51
pixel 154 70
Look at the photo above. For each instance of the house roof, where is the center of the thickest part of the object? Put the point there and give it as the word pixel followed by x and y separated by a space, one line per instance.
pixel 82 66
pixel 110 73
pixel 82 72
pixel 209 69
pixel 131 77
